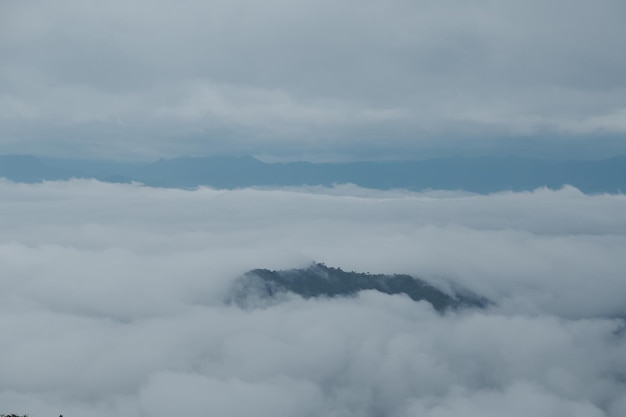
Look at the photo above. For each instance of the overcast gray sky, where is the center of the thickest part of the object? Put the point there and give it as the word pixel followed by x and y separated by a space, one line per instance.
pixel 312 78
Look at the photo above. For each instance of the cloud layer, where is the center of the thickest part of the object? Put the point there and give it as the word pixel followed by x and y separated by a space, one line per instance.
pixel 112 303
pixel 310 77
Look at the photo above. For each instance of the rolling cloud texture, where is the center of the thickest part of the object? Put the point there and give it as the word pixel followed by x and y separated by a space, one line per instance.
pixel 312 78
pixel 112 302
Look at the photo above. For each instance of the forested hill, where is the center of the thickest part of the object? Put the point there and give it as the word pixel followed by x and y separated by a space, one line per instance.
pixel 319 280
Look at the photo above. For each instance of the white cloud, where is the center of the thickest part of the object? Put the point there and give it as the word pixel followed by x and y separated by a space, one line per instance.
pixel 111 302
pixel 306 76
pixel 615 121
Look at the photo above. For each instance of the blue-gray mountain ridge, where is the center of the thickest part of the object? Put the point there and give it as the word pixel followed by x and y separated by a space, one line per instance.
pixel 481 175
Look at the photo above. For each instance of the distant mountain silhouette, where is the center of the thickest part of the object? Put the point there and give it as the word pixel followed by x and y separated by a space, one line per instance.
pixel 319 280
pixel 27 168
pixel 482 175
pixel 30 169
pixel 220 172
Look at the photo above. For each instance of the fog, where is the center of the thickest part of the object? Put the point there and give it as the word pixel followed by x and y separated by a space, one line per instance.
pixel 112 303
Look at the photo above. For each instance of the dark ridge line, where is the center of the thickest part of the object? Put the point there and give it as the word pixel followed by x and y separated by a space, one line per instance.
pixel 319 280
pixel 476 174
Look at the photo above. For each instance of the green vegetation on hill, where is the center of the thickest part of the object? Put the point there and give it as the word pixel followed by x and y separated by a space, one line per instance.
pixel 319 280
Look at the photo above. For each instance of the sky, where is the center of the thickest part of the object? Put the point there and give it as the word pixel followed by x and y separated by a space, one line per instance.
pixel 113 303
pixel 314 80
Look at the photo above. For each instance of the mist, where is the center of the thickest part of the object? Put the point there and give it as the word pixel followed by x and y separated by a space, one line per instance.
pixel 112 300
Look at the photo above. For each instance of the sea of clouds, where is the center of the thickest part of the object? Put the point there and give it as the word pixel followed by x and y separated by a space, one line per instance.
pixel 112 303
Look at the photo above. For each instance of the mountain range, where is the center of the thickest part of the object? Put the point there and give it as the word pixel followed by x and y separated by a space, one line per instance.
pixel 481 174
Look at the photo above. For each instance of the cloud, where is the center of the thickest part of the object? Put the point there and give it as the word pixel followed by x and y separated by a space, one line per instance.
pixel 156 78
pixel 112 302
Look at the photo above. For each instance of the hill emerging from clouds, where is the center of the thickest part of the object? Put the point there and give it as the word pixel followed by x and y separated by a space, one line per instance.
pixel 319 280
pixel 481 175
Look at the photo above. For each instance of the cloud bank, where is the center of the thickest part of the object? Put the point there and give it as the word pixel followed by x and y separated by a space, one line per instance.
pixel 311 77
pixel 112 303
